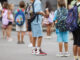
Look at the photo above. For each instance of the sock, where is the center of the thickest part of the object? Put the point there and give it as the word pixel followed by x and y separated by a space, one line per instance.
pixel 38 49
pixel 33 48
pixel 75 57
pixel 79 57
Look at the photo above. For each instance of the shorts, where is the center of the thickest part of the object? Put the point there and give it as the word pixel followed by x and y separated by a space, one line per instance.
pixel 29 26
pixel 36 30
pixel 76 37
pixel 21 28
pixel 10 23
pixel 63 37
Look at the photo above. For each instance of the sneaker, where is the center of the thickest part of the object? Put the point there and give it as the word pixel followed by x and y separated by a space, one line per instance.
pixel 60 54
pixel 18 42
pixel 75 59
pixel 30 45
pixel 10 39
pixel 33 52
pixel 48 37
pixel 40 53
pixel 22 42
pixel 66 54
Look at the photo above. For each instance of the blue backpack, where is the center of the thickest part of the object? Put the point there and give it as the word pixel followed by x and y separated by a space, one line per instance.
pixel 20 17
pixel 72 19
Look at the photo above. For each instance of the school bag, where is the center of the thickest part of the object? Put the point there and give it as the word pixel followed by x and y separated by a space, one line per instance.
pixel 20 17
pixel 33 15
pixel 5 20
pixel 51 16
pixel 61 18
pixel 72 19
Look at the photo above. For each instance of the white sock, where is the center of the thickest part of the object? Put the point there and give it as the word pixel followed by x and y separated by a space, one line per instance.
pixel 75 57
pixel 79 57
pixel 33 48
pixel 38 48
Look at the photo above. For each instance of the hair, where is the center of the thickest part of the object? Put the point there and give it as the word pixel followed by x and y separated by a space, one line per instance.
pixel 48 5
pixel 5 5
pixel 22 4
pixel 61 3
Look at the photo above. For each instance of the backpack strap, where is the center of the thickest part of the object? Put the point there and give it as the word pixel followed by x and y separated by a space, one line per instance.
pixel 34 10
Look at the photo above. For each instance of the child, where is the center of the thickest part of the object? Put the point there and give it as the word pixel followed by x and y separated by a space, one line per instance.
pixel 29 11
pixel 62 36
pixel 11 19
pixel 0 11
pixel 5 19
pixel 49 17
pixel 76 36
pixel 37 28
pixel 21 29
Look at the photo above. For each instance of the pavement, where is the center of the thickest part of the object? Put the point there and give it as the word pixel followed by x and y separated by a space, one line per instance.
pixel 14 51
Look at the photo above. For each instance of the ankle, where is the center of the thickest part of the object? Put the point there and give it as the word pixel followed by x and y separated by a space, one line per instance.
pixel 75 57
pixel 79 57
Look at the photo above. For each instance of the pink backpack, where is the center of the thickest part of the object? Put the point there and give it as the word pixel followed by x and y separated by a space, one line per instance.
pixel 5 20
pixel 51 16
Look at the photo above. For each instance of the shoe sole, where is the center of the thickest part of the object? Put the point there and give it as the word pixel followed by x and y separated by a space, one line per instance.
pixel 40 54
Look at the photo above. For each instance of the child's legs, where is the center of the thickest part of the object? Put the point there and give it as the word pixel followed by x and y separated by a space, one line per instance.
pixel 66 47
pixel 48 29
pixel 34 41
pixel 18 36
pixel 75 47
pixel 60 47
pixel 9 30
pixel 59 39
pixel 65 40
pixel 78 45
pixel 4 32
pixel 31 38
pixel 22 36
pixel 39 41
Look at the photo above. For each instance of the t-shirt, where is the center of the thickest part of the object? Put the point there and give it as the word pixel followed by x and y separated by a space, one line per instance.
pixel 37 8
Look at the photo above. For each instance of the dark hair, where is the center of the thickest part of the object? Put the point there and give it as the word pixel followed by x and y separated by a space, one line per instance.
pixel 61 3
pixel 48 5
pixel 5 5
pixel 22 4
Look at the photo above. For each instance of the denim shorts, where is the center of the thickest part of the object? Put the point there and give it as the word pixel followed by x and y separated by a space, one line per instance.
pixel 37 30
pixel 63 37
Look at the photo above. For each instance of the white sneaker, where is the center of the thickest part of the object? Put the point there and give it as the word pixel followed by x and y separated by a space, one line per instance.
pixel 10 39
pixel 30 45
pixel 48 37
pixel 60 54
pixel 66 54
pixel 37 52
pixel 33 52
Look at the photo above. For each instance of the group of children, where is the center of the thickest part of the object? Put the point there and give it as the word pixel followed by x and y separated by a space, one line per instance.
pixel 34 27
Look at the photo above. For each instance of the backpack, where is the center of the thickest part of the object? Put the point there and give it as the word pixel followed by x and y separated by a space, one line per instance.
pixel 61 18
pixel 5 20
pixel 33 15
pixel 72 19
pixel 20 17
pixel 51 16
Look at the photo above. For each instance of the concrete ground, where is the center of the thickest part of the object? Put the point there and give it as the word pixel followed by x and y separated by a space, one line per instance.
pixel 13 51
